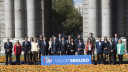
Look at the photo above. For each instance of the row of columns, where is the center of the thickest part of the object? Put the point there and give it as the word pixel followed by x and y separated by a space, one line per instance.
pixel 18 18
pixel 105 8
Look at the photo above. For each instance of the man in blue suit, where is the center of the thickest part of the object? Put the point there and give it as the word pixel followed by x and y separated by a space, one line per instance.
pixel 54 47
pixel 99 47
pixel 63 47
pixel 115 40
pixel 26 49
pixel 80 47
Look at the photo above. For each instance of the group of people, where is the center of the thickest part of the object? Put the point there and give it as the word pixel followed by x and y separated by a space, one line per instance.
pixel 59 46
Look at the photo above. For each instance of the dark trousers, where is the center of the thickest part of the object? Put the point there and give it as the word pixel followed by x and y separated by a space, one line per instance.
pixel 39 55
pixel 26 55
pixel 81 52
pixel 110 58
pixel 30 55
pixel 99 57
pixel 35 57
pixel 89 52
pixel 17 59
pixel 49 52
pixel 10 58
pixel 120 59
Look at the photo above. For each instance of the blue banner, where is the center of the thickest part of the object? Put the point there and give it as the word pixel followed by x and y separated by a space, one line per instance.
pixel 66 59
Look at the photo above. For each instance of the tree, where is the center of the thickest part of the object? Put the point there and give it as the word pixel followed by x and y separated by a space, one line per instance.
pixel 66 19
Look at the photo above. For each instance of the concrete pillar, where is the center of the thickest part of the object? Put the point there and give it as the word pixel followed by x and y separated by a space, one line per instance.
pixel 90 9
pixel 92 17
pixel 120 18
pixel 18 19
pixel 106 18
pixel 8 18
pixel 42 7
pixel 31 18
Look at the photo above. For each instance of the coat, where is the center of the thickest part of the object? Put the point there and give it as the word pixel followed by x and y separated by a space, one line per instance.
pixel 122 49
pixel 19 49
pixel 87 47
pixel 99 48
pixel 8 47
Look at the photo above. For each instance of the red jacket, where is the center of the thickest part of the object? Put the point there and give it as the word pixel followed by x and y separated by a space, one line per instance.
pixel 19 50
pixel 87 47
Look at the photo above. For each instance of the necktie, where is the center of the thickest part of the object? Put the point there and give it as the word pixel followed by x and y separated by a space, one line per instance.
pixel 8 43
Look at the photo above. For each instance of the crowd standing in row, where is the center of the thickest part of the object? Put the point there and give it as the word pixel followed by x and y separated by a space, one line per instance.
pixel 59 46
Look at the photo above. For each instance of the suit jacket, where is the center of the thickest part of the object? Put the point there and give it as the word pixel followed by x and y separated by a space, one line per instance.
pixel 43 47
pixel 99 48
pixel 72 47
pixel 77 40
pixel 63 47
pixel 111 47
pixel 54 47
pixel 114 40
pixel 26 47
pixel 81 46
pixel 6 46
pixel 19 49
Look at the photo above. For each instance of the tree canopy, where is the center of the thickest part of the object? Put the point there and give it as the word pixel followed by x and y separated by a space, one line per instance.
pixel 66 19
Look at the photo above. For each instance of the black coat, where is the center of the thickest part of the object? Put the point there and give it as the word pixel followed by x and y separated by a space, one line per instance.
pixel 8 47
pixel 63 47
pixel 111 47
pixel 26 48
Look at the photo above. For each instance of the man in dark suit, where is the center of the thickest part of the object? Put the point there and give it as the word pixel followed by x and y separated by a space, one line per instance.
pixel 111 50
pixel 54 47
pixel 8 51
pixel 77 40
pixel 99 47
pixel 59 39
pixel 46 45
pixel 26 49
pixel 80 47
pixel 115 40
pixel 63 47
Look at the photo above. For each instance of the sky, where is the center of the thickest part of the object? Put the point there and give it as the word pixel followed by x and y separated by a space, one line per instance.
pixel 78 1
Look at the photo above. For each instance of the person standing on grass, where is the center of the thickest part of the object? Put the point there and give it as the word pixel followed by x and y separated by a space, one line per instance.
pixel 17 51
pixel 26 49
pixel 93 41
pixel 31 40
pixel 80 47
pixel 39 41
pixel 8 51
pixel 99 47
pixel 111 50
pixel 89 47
pixel 120 51
pixel 34 49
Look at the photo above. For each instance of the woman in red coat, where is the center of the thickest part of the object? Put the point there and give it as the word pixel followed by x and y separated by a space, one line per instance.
pixel 89 47
pixel 17 51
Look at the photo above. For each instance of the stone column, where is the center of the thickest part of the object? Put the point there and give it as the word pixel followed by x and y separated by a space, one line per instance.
pixel 106 17
pixel 18 19
pixel 120 18
pixel 90 9
pixel 31 18
pixel 42 7
pixel 8 18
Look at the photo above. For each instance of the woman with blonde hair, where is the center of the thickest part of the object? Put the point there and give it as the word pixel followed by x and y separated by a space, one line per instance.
pixel 17 51
pixel 120 51
pixel 34 49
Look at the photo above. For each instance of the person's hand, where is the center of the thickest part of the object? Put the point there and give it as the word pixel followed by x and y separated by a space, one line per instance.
pixel 7 50
pixel 111 50
pixel 52 52
pixel 72 50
